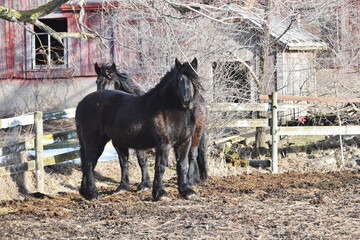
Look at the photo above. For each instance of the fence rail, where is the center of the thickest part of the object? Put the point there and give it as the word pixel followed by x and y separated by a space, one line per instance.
pixel 38 143
pixel 30 119
pixel 273 106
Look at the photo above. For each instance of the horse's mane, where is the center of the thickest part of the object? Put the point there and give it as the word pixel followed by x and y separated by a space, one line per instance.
pixel 187 70
pixel 128 84
pixel 195 79
pixel 125 81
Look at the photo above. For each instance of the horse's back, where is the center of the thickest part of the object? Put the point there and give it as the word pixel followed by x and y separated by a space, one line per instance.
pixel 91 108
pixel 110 112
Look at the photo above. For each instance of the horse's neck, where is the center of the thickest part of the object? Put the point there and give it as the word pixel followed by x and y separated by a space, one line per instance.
pixel 162 99
pixel 126 85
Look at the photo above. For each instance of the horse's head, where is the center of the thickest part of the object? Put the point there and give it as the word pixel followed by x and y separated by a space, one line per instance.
pixel 105 75
pixel 187 82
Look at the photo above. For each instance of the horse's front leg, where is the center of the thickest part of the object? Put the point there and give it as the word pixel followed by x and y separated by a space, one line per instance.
pixel 197 163
pixel 123 154
pixel 161 158
pixel 193 170
pixel 145 177
pixel 181 167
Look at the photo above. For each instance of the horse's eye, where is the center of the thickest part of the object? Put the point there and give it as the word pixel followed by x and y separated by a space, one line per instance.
pixel 183 79
pixel 108 74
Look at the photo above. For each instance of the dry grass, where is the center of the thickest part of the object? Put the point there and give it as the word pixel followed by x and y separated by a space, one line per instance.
pixel 67 177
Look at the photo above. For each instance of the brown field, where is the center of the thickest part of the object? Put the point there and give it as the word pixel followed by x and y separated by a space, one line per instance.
pixel 252 204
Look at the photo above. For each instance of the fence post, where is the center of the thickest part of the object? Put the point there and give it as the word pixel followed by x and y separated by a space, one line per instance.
pixel 274 130
pixel 39 161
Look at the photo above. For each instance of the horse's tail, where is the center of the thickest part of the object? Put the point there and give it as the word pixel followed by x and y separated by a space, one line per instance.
pixel 82 150
pixel 202 159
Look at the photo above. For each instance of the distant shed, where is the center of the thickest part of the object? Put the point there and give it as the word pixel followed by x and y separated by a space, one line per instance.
pixel 292 57
pixel 293 54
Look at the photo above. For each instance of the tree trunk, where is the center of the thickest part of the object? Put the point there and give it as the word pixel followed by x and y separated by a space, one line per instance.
pixel 260 136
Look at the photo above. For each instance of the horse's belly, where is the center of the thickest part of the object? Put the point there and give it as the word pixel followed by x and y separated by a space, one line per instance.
pixel 137 142
pixel 132 136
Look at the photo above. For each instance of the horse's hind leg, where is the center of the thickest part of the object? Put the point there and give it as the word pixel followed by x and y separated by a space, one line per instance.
pixel 193 171
pixel 201 158
pixel 123 154
pixel 89 155
pixel 145 177
pixel 88 188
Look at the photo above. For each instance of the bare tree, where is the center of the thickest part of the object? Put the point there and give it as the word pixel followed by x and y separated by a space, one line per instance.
pixel 145 36
pixel 32 16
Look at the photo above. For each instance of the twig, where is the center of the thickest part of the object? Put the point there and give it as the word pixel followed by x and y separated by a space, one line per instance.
pixel 206 226
pixel 194 10
pixel 250 70
pixel 340 136
pixel 286 30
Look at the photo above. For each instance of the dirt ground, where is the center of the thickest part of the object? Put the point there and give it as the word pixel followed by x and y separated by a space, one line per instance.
pixel 250 205
pixel 311 198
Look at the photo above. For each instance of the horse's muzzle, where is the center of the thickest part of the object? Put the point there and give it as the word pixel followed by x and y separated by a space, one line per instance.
pixel 187 105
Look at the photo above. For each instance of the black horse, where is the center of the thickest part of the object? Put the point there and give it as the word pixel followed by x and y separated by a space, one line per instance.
pixel 161 118
pixel 108 74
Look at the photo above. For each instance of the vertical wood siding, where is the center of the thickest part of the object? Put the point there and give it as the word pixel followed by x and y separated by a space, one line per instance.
pixel 15 49
pixel 3 68
pixel 9 34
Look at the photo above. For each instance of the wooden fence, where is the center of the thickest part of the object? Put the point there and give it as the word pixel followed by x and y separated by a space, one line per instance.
pixel 38 144
pixel 40 140
pixel 38 164
pixel 274 107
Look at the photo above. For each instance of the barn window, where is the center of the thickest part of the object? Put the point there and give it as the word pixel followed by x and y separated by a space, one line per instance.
pixel 47 51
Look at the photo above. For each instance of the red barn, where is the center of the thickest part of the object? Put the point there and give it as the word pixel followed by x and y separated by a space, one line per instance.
pixel 36 71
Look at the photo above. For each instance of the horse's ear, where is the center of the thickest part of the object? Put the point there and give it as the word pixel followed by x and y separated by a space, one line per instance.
pixel 97 69
pixel 177 63
pixel 194 63
pixel 113 67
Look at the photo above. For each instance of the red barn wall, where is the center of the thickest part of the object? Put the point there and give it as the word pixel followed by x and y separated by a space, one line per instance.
pixel 15 57
pixel 23 89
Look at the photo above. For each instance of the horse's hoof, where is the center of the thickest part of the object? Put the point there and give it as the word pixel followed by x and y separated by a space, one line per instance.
pixel 189 194
pixel 120 192
pixel 144 187
pixel 161 195
pixel 90 196
pixel 93 197
pixel 192 196
pixel 96 197
pixel 122 189
pixel 164 199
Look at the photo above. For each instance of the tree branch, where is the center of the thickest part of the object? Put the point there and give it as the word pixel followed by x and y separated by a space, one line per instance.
pixel 286 30
pixel 32 16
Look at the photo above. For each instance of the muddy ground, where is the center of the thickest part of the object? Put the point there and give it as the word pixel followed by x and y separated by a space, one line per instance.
pixel 247 206
pixel 307 200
